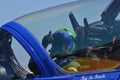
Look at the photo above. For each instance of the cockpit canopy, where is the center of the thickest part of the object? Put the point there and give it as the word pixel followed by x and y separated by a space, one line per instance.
pixel 79 35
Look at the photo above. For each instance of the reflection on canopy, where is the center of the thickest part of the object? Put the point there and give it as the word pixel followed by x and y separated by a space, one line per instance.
pixel 97 40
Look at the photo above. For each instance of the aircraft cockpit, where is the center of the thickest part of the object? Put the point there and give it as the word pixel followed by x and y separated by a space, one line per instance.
pixel 75 38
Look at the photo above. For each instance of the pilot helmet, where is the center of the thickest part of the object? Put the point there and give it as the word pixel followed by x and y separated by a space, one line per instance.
pixel 64 42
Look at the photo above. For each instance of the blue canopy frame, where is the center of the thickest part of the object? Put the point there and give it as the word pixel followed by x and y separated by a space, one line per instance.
pixel 34 48
pixel 47 67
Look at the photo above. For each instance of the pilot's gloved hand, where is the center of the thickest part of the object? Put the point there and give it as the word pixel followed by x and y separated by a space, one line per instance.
pixel 47 39
pixel 33 67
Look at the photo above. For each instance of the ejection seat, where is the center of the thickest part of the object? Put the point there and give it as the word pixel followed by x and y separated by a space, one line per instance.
pixel 10 69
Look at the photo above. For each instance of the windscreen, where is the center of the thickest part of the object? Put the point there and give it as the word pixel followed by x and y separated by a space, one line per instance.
pixel 81 36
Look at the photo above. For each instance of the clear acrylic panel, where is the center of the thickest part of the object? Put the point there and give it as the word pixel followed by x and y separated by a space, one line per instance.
pixel 81 36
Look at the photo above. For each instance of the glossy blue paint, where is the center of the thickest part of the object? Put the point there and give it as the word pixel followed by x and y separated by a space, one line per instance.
pixel 34 48
pixel 48 69
pixel 108 75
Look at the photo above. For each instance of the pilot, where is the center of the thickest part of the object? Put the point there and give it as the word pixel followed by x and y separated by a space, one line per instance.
pixel 62 42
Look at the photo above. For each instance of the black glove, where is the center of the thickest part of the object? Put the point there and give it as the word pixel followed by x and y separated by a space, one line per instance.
pixel 47 39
